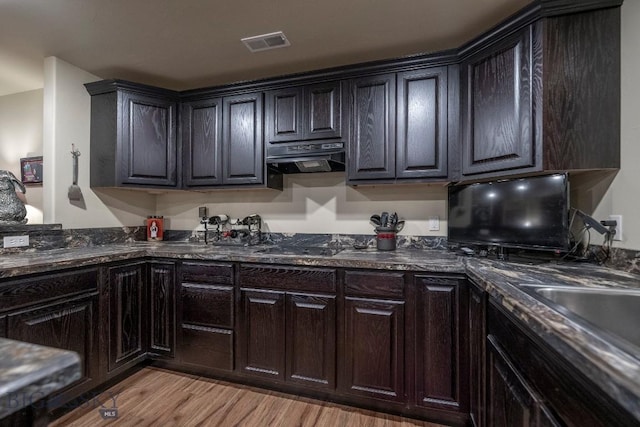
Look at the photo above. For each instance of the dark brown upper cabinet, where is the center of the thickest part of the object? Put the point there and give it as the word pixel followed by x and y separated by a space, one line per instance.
pixel 304 113
pixel 242 140
pixel 133 135
pixel 545 98
pixel 422 123
pixel 202 142
pixel 400 126
pixel 372 144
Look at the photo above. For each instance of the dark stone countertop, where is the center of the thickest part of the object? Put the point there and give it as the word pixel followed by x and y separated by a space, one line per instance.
pixel 616 371
pixel 30 372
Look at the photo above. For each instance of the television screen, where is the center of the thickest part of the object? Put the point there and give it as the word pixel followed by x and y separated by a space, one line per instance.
pixel 524 213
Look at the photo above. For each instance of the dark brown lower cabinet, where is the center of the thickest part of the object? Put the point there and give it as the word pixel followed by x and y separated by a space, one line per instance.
pixel 162 303
pixel 511 402
pixel 530 384
pixel 71 325
pixel 261 329
pixel 441 358
pixel 311 340
pixel 374 348
pixel 206 316
pixel 477 355
pixel 128 338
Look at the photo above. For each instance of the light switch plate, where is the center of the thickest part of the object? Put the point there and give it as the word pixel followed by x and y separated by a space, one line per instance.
pixel 15 241
pixel 434 223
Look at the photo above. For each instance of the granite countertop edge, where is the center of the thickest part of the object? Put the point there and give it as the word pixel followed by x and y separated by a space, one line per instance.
pixel 30 372
pixel 617 372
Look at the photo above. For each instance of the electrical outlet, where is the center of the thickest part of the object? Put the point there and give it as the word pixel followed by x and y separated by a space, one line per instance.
pixel 618 220
pixel 15 241
pixel 434 223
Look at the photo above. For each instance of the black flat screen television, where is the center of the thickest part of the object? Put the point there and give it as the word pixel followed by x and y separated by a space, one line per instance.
pixel 528 213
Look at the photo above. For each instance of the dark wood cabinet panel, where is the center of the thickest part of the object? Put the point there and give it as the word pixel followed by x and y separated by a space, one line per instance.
pixel 261 329
pixel 210 273
pixel 283 116
pixel 202 142
pixel 375 284
pixel 311 340
pixel 242 149
pixel 323 110
pixel 304 113
pixel 372 143
pixel 422 123
pixel 133 135
pixel 162 302
pixel 70 325
pixel 498 122
pixel 149 153
pixel 374 349
pixel 477 355
pixel 207 305
pixel 3 326
pixel 127 310
pixel 312 279
pixel 441 361
pixel 509 403
pixel 207 347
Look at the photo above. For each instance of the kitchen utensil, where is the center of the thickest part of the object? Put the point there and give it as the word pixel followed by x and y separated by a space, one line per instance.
pixel 75 193
pixel 393 219
pixel 375 220
pixel 384 219
pixel 399 226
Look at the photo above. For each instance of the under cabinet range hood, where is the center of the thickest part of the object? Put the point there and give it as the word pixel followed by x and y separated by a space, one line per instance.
pixel 305 157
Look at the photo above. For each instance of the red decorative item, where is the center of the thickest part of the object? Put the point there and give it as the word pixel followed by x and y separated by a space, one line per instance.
pixel 155 228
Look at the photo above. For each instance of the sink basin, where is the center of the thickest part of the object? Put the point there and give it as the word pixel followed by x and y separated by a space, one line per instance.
pixel 614 312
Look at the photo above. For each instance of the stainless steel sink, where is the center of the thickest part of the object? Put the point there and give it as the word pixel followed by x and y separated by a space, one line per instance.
pixel 614 312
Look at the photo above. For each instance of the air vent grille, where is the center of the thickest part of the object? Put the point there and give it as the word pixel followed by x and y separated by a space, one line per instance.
pixel 266 41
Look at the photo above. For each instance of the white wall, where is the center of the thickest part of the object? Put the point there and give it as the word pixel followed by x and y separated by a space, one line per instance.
pixel 314 203
pixel 67 114
pixel 623 196
pixel 21 136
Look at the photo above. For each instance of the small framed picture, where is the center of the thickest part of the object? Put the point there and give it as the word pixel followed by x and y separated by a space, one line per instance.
pixel 31 170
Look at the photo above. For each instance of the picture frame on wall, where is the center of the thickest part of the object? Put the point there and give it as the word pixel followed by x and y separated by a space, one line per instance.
pixel 31 170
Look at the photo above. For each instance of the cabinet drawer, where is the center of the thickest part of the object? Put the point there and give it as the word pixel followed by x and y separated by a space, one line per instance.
pixel 287 278
pixel 19 293
pixel 208 347
pixel 207 305
pixel 219 274
pixel 374 284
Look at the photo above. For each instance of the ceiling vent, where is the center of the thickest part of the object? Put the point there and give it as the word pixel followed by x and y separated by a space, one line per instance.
pixel 266 41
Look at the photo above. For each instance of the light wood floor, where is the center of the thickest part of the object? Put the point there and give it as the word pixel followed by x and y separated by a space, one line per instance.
pixel 157 397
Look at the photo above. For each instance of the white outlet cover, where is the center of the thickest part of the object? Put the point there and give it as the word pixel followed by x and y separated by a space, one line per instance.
pixel 15 241
pixel 434 223
pixel 618 219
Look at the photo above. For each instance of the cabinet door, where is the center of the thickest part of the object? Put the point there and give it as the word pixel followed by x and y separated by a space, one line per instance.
pixel 422 124
pixel 477 355
pixel 202 142
pixel 162 303
pixel 149 151
pixel 323 111
pixel 311 340
pixel 498 123
pixel 127 310
pixel 440 360
pixel 372 145
pixel 242 149
pixel 69 325
pixel 283 115
pixel 510 403
pixel 261 333
pixel 374 348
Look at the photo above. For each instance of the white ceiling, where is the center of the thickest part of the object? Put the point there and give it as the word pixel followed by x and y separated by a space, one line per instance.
pixel 185 44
